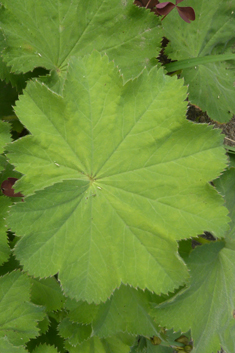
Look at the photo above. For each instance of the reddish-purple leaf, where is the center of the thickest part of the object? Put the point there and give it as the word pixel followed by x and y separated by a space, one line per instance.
pixel 186 13
pixel 147 4
pixel 164 4
pixel 164 8
pixel 7 190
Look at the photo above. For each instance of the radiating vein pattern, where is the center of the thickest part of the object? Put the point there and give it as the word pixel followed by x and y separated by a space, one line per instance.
pixel 125 175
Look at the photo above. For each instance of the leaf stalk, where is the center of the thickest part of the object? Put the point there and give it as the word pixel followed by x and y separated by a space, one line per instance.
pixel 190 62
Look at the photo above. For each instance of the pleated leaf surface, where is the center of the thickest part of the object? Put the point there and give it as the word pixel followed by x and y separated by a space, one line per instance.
pixel 120 175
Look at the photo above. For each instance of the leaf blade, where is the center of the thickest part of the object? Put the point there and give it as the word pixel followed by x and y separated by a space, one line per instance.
pixel 211 34
pixel 117 217
pixel 18 316
pixel 211 265
pixel 47 35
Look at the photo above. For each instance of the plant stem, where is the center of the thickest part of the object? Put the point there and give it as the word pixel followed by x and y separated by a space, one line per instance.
pixel 184 64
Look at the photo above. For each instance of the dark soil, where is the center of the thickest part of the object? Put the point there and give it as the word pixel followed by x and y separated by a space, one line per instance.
pixel 228 129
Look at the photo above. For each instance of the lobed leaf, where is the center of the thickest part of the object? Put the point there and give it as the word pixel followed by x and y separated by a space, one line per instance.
pixel 44 326
pixel 75 333
pixel 115 344
pixel 4 247
pixel 126 311
pixel 7 75
pixel 227 337
pixel 45 348
pixel 5 136
pixel 226 186
pixel 212 294
pixel 131 177
pixel 7 347
pixel 81 311
pixel 211 86
pixel 18 317
pixel 5 203
pixel 47 292
pixel 51 336
pixel 11 265
pixel 40 34
pixel 158 349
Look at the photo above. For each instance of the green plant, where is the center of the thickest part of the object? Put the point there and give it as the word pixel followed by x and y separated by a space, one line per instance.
pixel 113 182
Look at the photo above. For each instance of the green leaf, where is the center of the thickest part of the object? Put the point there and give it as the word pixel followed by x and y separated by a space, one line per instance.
pixel 232 159
pixel 7 170
pixel 139 345
pixel 131 177
pixel 5 136
pixel 5 202
pixel 4 247
pixel 5 72
pixel 51 337
pixel 211 85
pixel 184 64
pixel 47 292
pixel 9 266
pixel 130 309
pixel 7 347
pixel 44 348
pixel 75 333
pixel 212 294
pixel 18 317
pixel 158 349
pixel 2 163
pixel 114 344
pixel 127 305
pixel 44 325
pixel 8 96
pixel 40 34
pixel 80 311
pixel 227 335
pixel 226 186
pixel 185 248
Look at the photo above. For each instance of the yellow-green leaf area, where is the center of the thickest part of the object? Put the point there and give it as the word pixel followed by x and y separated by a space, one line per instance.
pixel 116 175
